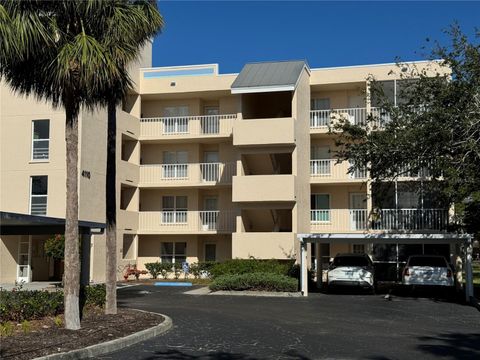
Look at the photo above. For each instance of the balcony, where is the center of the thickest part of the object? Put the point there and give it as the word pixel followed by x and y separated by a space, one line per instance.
pixel 355 220
pixel 261 132
pixel 261 188
pixel 410 219
pixel 339 220
pixel 329 170
pixel 321 120
pixel 187 222
pixel 186 127
pixel 200 174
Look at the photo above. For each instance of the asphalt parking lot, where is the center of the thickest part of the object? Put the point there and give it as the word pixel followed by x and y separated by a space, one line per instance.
pixel 322 326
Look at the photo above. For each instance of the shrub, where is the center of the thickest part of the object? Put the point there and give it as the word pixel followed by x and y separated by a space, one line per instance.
pixel 154 269
pixel 165 269
pixel 246 266
pixel 20 305
pixel 195 270
pixel 29 304
pixel 95 295
pixel 177 270
pixel 258 281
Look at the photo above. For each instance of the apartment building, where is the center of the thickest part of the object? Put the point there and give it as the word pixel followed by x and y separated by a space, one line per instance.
pixel 217 166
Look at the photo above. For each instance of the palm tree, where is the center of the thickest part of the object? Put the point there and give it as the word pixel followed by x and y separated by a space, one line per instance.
pixel 61 51
pixel 130 27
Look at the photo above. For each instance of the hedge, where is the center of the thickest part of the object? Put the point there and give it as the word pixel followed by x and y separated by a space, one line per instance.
pixel 248 266
pixel 18 305
pixel 257 281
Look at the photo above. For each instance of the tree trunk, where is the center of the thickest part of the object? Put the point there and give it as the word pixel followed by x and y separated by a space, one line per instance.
pixel 111 207
pixel 72 260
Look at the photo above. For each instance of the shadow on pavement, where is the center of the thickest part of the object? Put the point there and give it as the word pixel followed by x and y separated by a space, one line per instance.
pixel 452 345
pixel 221 355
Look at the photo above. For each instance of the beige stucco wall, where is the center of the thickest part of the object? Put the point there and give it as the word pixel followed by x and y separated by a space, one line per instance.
pixel 263 245
pixel 8 258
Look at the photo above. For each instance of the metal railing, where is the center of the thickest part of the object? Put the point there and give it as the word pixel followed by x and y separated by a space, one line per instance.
pixel 202 125
pixel 409 219
pixel 331 169
pixel 188 221
pixel 323 118
pixel 198 173
pixel 333 220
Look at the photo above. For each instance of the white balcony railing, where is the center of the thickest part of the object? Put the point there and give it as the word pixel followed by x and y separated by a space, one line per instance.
pixel 182 126
pixel 185 221
pixel 190 174
pixel 322 119
pixel 337 220
pixel 410 219
pixel 330 169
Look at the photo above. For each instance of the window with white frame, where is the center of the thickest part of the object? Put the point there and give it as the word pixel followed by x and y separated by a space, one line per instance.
pixel 176 120
pixel 40 139
pixel 175 165
pixel 320 207
pixel 174 209
pixel 358 248
pixel 38 195
pixel 173 252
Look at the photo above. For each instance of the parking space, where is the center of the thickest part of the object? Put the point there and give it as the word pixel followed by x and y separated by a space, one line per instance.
pixel 346 326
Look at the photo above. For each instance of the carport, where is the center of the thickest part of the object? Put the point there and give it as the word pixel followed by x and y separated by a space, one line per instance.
pixel 15 224
pixel 382 238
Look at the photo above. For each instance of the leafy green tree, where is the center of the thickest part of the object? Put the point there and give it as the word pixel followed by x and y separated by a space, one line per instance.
pixel 55 247
pixel 434 124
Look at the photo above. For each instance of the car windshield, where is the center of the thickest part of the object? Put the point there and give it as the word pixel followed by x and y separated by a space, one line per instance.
pixel 427 261
pixel 350 261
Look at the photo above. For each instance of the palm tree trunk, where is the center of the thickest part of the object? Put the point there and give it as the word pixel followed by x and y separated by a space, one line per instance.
pixel 72 260
pixel 111 205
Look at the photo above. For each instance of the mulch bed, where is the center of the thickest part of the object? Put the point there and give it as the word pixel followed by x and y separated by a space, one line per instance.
pixel 45 337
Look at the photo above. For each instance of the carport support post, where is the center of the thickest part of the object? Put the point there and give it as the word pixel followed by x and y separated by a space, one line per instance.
pixel 468 270
pixel 85 259
pixel 303 266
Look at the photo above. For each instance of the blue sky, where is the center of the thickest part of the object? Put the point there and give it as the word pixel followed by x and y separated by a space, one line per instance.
pixel 341 33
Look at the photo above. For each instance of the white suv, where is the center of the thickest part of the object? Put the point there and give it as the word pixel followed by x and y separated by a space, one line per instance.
pixel 351 270
pixel 430 270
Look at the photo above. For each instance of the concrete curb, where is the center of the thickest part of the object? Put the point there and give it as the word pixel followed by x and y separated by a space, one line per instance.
pixel 257 293
pixel 114 345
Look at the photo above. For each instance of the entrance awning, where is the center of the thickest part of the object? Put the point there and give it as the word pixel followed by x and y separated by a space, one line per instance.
pixel 24 224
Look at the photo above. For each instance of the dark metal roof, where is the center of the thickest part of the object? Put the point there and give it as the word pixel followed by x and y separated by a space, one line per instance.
pixel 24 224
pixel 278 74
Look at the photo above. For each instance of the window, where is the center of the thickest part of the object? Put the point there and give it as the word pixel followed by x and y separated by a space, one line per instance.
pixel 320 207
pixel 38 195
pixel 40 139
pixel 320 104
pixel 174 209
pixel 175 165
pixel 358 248
pixel 210 252
pixel 173 252
pixel 176 120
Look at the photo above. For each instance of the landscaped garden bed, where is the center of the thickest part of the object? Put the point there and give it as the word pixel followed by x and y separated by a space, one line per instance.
pixel 32 323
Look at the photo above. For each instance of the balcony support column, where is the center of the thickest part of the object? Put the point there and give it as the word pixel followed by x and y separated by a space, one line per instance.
pixel 319 268
pixel 468 271
pixel 303 266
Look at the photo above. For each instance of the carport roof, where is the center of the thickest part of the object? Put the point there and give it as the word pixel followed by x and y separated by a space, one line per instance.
pixel 386 238
pixel 24 224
